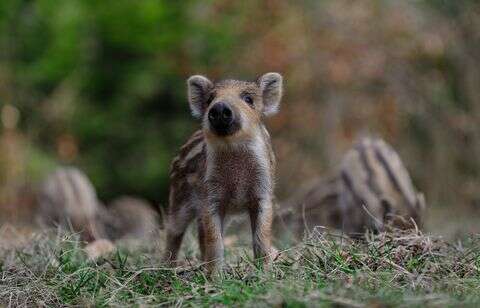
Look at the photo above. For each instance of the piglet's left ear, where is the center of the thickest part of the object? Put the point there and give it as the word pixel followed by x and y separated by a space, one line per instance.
pixel 271 85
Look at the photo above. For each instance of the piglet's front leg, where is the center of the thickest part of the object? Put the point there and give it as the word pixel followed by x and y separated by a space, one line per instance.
pixel 261 214
pixel 211 223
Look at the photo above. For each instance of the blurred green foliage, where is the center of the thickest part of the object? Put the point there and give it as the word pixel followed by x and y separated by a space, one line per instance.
pixel 110 74
pixel 101 84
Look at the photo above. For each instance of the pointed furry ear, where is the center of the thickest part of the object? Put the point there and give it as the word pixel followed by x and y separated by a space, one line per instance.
pixel 199 88
pixel 271 85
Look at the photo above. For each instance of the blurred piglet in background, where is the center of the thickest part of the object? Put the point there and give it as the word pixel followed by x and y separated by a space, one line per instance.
pixel 67 199
pixel 371 190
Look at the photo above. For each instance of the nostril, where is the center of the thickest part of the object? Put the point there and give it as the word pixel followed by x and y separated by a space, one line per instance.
pixel 213 114
pixel 227 113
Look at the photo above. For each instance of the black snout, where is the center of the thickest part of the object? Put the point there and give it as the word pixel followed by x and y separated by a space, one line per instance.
pixel 221 118
pixel 220 115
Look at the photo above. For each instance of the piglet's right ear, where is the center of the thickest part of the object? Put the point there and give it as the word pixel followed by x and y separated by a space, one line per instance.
pixel 199 88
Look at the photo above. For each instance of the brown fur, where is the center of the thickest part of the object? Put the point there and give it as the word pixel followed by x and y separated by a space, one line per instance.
pixel 371 190
pixel 129 217
pixel 376 189
pixel 68 198
pixel 214 176
pixel 312 207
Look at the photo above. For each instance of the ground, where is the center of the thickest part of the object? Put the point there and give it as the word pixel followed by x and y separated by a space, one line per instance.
pixel 398 268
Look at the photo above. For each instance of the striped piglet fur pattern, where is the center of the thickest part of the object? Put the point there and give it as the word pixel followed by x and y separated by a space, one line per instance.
pixel 67 198
pixel 370 190
pixel 376 189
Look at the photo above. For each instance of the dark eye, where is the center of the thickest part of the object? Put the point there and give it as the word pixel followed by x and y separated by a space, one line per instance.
pixel 248 99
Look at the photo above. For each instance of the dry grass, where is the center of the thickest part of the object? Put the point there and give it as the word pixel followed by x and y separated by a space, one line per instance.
pixel 398 268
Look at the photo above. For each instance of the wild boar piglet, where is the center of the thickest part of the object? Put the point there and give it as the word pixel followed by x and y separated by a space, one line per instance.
pixel 227 167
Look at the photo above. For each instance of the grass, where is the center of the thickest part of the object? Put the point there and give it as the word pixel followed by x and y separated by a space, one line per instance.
pixel 389 269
